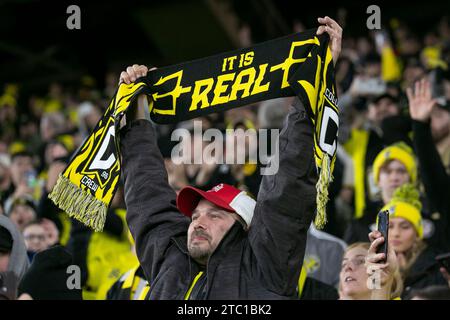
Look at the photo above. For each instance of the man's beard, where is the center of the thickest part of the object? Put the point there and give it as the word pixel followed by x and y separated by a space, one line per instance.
pixel 197 252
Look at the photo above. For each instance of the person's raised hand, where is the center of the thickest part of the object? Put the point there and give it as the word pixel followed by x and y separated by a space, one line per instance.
pixel 132 73
pixel 420 101
pixel 334 30
pixel 129 76
pixel 375 263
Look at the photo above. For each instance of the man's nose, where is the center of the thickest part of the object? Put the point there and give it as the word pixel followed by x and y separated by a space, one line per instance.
pixel 200 222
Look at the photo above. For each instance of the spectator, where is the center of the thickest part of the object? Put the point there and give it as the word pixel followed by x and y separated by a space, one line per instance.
pixel 358 263
pixel 47 210
pixel 102 256
pixel 371 76
pixel 35 239
pixel 312 289
pixel 435 179
pixel 52 124
pixel 415 258
pixel 51 232
pixel 271 113
pixel 22 212
pixel 6 186
pixel 28 134
pixel 13 253
pixel 23 176
pixel 323 256
pixel 132 284
pixel 392 167
pixel 88 116
pixel 54 150
pixel 366 140
pixel 431 293
pixel 204 175
pixel 246 173
pixel 228 257
pixel 48 276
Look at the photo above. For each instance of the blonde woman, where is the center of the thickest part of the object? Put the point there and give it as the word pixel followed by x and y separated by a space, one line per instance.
pixel 416 260
pixel 364 276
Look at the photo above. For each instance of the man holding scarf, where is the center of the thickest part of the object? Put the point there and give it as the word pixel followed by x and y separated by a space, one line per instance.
pixel 211 251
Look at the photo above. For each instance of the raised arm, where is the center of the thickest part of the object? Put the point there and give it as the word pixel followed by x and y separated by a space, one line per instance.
pixel 152 214
pixel 286 201
pixel 285 207
pixel 432 171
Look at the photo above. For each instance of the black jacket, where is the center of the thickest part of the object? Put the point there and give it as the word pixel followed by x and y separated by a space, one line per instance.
pixel 423 273
pixel 436 182
pixel 318 290
pixel 263 263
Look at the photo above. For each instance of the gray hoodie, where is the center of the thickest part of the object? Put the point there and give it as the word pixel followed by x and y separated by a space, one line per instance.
pixel 18 260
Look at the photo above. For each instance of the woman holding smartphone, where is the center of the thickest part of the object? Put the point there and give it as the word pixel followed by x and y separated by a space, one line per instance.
pixel 416 259
pixel 364 275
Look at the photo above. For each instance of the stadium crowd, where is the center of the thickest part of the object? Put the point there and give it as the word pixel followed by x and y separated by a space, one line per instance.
pixel 393 154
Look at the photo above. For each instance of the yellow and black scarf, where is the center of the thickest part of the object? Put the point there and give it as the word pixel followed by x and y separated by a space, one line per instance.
pixel 299 64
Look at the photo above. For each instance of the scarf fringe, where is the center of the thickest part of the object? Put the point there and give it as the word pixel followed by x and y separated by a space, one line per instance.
pixel 79 204
pixel 325 178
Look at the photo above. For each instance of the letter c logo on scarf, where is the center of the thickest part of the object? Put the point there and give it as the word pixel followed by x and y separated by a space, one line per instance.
pixel 328 132
pixel 98 162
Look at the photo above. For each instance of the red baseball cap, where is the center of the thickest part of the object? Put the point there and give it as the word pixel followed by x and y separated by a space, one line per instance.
pixel 223 195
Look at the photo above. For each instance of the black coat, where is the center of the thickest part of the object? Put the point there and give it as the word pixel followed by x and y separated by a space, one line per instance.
pixel 263 263
pixel 423 273
pixel 436 182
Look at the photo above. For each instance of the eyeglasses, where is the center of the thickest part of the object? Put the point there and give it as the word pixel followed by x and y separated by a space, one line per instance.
pixel 356 262
pixel 31 237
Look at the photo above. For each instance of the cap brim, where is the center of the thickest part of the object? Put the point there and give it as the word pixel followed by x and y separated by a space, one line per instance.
pixel 189 197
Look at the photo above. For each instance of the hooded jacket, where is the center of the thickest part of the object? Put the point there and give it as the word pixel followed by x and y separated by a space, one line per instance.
pixel 261 263
pixel 18 259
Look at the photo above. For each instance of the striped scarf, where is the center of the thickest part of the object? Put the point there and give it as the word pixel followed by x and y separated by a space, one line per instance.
pixel 299 64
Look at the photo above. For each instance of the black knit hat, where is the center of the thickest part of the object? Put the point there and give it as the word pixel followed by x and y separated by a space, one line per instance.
pixel 6 241
pixel 46 279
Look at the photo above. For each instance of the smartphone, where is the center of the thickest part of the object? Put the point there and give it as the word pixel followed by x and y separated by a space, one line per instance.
pixel 444 261
pixel 30 177
pixel 383 228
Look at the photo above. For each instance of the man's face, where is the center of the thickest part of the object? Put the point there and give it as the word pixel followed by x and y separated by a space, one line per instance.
pixel 209 225
pixel 4 261
pixel 54 151
pixel 440 124
pixel 392 175
pixel 382 109
pixel 35 238
pixel 21 215
pixel 373 70
pixel 19 166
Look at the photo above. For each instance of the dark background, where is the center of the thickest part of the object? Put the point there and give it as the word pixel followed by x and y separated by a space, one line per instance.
pixel 36 47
